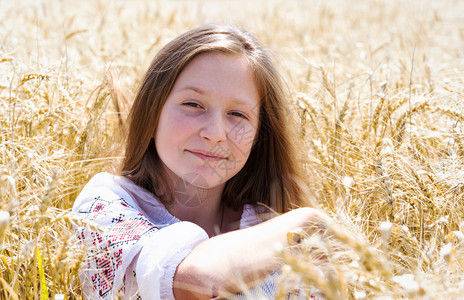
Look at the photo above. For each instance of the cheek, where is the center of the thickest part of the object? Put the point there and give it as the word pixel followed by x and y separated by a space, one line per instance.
pixel 243 137
pixel 172 126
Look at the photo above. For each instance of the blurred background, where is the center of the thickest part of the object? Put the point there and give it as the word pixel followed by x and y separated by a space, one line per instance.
pixel 376 89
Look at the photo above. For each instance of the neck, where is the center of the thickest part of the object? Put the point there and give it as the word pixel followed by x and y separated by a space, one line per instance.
pixel 198 205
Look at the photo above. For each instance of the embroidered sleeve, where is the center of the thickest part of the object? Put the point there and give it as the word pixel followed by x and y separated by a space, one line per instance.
pixel 128 254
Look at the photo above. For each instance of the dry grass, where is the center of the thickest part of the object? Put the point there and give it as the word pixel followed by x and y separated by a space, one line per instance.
pixel 378 90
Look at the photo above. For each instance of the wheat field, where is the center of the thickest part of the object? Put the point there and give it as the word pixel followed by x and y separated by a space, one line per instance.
pixel 377 91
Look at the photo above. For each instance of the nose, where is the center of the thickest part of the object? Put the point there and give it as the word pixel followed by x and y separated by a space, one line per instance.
pixel 214 128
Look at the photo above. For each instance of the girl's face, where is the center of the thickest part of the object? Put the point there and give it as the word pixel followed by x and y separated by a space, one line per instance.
pixel 210 120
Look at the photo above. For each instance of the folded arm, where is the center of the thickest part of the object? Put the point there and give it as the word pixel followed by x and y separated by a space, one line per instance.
pixel 225 264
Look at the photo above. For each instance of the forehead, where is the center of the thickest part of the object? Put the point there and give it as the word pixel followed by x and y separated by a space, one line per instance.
pixel 215 72
pixel 219 62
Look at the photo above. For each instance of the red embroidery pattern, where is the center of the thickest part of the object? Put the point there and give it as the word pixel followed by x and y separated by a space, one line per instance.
pixel 125 228
pixel 128 230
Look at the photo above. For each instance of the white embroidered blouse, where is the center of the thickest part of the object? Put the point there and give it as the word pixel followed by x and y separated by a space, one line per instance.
pixel 134 244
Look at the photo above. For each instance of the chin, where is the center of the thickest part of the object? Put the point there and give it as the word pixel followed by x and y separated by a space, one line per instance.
pixel 205 179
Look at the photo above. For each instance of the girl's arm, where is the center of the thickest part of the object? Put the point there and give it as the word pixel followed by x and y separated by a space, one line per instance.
pixel 225 264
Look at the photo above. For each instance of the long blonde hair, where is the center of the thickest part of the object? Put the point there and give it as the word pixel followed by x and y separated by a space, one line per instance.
pixel 271 174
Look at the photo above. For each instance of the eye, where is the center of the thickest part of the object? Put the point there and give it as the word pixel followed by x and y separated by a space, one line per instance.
pixel 238 114
pixel 192 104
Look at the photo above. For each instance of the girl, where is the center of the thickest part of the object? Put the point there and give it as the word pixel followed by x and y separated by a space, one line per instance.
pixel 208 156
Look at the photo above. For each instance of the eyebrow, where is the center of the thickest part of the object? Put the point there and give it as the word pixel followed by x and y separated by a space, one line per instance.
pixel 193 88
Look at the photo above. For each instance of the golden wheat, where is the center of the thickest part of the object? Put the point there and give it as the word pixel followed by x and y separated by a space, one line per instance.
pixel 378 89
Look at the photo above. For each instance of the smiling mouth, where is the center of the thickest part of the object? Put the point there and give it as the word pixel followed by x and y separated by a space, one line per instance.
pixel 206 156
